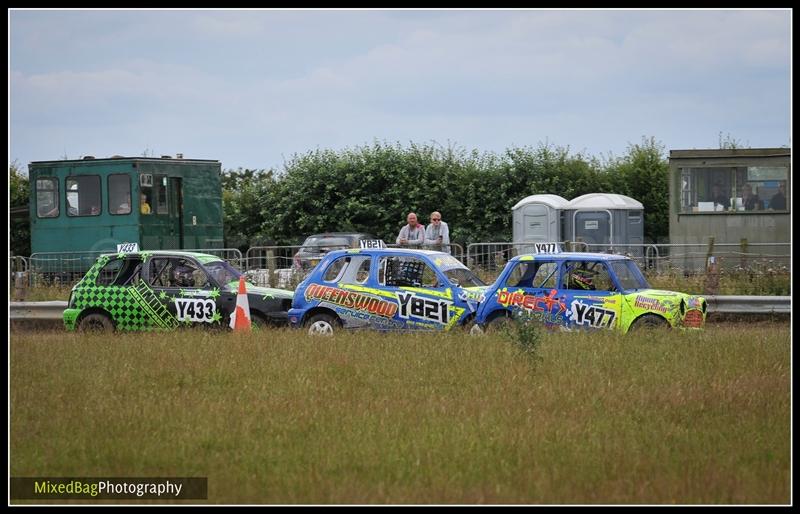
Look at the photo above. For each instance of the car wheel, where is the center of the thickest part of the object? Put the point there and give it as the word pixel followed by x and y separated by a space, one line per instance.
pixel 499 324
pixel 96 323
pixel 258 322
pixel 321 325
pixel 477 330
pixel 649 321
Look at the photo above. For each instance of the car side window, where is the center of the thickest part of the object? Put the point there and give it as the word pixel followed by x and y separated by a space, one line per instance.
pixel 362 273
pixel 546 275
pixel 160 272
pixel 352 269
pixel 587 276
pixel 520 276
pixel 186 273
pixel 130 273
pixel 402 271
pixel 109 272
pixel 336 269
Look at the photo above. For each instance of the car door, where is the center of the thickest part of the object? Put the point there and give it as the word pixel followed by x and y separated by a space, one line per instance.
pixel 184 292
pixel 531 286
pixel 425 298
pixel 591 295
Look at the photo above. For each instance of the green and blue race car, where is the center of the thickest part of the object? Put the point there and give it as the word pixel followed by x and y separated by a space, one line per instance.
pixel 584 291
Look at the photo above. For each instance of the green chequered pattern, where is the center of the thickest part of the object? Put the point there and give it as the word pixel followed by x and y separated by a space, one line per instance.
pixel 131 307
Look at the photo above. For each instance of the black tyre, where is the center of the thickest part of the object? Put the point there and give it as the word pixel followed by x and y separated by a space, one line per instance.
pixel 96 323
pixel 499 324
pixel 322 325
pixel 649 321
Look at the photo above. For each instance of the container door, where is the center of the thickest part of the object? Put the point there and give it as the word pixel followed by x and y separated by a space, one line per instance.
pixel 536 226
pixel 593 227
pixel 176 212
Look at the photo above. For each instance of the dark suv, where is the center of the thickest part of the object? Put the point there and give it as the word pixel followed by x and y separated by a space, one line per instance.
pixel 316 246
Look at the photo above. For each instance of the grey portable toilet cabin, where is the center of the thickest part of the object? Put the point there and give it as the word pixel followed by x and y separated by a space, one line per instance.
pixel 537 219
pixel 606 219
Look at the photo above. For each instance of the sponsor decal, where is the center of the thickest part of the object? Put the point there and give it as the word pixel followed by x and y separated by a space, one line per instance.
pixel 351 300
pixel 425 308
pixel 473 296
pixel 650 304
pixel 693 319
pixel 531 302
pixel 195 310
pixel 591 315
pixel 356 319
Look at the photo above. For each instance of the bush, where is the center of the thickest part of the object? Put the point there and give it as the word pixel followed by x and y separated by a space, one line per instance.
pixel 525 332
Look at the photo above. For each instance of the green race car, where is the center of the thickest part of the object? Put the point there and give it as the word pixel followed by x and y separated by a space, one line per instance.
pixel 164 290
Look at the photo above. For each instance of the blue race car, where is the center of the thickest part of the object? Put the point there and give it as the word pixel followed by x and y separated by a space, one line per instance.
pixel 584 291
pixel 386 289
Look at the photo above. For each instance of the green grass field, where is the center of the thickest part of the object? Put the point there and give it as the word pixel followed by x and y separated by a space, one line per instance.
pixel 277 417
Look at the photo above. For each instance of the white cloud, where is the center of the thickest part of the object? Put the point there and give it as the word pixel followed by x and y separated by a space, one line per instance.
pixel 255 85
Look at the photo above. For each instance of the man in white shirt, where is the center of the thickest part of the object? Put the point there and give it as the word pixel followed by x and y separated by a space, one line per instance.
pixel 412 234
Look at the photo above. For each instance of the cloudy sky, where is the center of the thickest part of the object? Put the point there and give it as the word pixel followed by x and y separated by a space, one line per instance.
pixel 251 88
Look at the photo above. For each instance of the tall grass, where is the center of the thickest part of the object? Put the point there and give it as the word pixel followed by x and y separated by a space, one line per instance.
pixel 277 417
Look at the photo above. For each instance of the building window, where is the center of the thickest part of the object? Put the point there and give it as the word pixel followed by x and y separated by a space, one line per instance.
pixel 47 197
pixel 83 195
pixel 738 189
pixel 119 194
pixel 161 194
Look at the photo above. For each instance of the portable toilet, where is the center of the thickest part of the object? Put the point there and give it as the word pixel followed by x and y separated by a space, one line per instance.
pixel 605 220
pixel 537 219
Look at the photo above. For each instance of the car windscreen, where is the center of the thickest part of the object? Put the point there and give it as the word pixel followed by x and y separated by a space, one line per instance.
pixel 463 277
pixel 313 243
pixel 222 272
pixel 629 275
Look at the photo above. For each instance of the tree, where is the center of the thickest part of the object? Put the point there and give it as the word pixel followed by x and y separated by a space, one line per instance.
pixel 19 192
pixel 643 174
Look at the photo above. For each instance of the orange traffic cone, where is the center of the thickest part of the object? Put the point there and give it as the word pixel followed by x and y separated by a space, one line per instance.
pixel 240 320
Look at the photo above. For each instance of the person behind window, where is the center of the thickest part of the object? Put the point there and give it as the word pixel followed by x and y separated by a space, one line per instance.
pixel 778 202
pixel 125 206
pixel 144 206
pixel 437 234
pixel 750 201
pixel 718 197
pixel 413 233
pixel 183 276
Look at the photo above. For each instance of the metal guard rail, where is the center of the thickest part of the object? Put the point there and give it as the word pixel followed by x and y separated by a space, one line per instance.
pixel 53 310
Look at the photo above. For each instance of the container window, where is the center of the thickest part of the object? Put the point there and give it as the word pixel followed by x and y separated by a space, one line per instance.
pixel 83 195
pixel 119 194
pixel 161 195
pixel 47 197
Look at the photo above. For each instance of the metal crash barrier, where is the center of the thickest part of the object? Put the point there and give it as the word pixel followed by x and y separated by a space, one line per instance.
pixel 744 305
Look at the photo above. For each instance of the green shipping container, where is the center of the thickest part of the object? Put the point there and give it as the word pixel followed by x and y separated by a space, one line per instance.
pixel 92 205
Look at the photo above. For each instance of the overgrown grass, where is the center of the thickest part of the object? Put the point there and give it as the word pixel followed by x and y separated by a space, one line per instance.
pixel 45 293
pixel 700 417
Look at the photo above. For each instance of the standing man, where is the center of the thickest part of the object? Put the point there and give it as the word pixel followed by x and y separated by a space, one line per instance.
pixel 750 201
pixel 413 233
pixel 437 235
pixel 778 202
